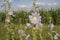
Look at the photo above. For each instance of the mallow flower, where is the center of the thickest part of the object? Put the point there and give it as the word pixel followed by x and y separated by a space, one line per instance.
pixel 2 4
pixel 10 12
pixel 51 26
pixel 39 25
pixel 35 18
pixel 27 37
pixel 56 36
pixel 7 20
pixel 28 25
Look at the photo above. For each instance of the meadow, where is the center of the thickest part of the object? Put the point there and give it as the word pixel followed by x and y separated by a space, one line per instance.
pixel 9 31
pixel 42 24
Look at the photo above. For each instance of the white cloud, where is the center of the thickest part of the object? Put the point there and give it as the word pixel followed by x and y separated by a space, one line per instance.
pixel 24 6
pixel 49 4
pixel 40 3
pixel 55 3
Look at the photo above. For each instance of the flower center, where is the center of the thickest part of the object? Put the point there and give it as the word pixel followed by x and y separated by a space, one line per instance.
pixel 35 18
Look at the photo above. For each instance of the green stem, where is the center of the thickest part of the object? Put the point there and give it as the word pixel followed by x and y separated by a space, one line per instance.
pixel 34 36
pixel 20 37
pixel 51 36
pixel 40 36
pixel 7 33
pixel 9 6
pixel 40 31
pixel 12 35
pixel 5 6
pixel 7 37
pixel 12 38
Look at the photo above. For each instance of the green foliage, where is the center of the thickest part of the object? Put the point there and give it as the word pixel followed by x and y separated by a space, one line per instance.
pixel 10 31
pixel 2 17
pixel 23 16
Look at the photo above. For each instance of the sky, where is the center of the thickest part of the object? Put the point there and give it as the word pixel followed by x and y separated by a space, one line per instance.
pixel 28 4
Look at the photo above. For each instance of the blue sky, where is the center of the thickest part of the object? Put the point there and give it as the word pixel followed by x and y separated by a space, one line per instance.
pixel 28 4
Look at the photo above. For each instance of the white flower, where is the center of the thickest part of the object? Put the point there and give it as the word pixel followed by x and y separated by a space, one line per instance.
pixel 28 25
pixel 35 18
pixel 7 20
pixel 2 4
pixel 56 36
pixel 28 37
pixel 10 12
pixel 21 32
pixel 51 26
pixel 39 25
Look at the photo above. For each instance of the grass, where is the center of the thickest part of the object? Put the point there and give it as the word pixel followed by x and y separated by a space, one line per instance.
pixel 11 32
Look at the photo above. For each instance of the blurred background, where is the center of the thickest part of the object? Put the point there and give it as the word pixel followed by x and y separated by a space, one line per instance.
pixel 49 10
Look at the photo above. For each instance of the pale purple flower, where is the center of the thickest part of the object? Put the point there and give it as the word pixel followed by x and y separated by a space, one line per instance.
pixel 39 25
pixel 10 12
pixel 7 20
pixel 2 4
pixel 28 25
pixel 51 26
pixel 28 37
pixel 35 18
pixel 21 32
pixel 56 36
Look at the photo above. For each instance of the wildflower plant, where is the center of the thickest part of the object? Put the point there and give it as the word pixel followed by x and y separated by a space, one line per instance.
pixel 56 36
pixel 28 25
pixel 28 37
pixel 9 12
pixel 35 18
